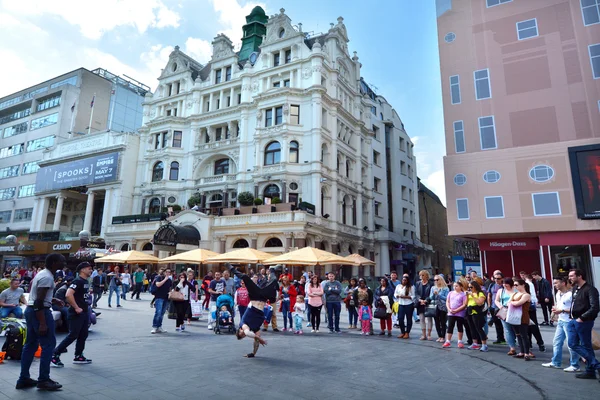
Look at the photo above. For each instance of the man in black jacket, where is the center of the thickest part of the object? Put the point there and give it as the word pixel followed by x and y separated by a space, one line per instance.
pixel 98 286
pixel 546 296
pixel 584 310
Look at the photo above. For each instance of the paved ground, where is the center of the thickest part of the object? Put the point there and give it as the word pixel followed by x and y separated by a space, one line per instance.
pixel 130 363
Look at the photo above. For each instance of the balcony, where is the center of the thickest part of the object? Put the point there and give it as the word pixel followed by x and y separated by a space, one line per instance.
pixel 210 180
pixel 218 144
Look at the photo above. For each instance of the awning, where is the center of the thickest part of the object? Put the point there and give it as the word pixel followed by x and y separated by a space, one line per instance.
pixel 172 235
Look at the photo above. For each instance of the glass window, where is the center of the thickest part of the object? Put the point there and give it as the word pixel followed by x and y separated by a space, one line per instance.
pixel 494 207
pixel 271 191
pixel 46 120
pixel 373 110
pixel 491 176
pixel 241 244
pixel 157 171
pixel 15 129
pixel 527 29
pixel 462 209
pixel 34 92
pixel 459 137
pixel 15 115
pixel 68 81
pixel 450 37
pixel 221 166
pixel 376 184
pixel 273 242
pixel 272 153
pixel 491 3
pixel 164 140
pixel 294 152
pixel 376 157
pixel 482 84
pixel 9 172
pixel 590 10
pixel 40 143
pixel 228 74
pixel 44 104
pixel 288 56
pixel 30 168
pixel 218 133
pixel 275 59
pixel 269 117
pixel 278 115
pixel 154 207
pixel 177 138
pixel 455 89
pixel 12 150
pixel 377 208
pixel 595 59
pixel 276 84
pixel 174 172
pixel 295 114
pixel 23 214
pixel 487 133
pixel 5 215
pixel 546 204
pixel 26 190
pixel 218 76
pixel 460 179
pixel 541 173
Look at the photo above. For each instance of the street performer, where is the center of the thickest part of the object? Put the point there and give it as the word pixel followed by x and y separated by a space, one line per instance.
pixel 254 316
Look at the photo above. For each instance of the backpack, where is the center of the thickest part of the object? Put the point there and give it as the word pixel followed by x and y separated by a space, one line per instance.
pixel 153 287
pixel 16 332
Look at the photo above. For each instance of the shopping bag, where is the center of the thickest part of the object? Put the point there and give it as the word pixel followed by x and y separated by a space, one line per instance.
pixel 514 314
pixel 595 340
pixel 196 308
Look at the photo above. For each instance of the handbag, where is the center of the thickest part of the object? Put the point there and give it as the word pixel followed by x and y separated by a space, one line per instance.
pixel 196 308
pixel 176 296
pixel 514 314
pixel 501 313
pixel 380 313
pixel 430 310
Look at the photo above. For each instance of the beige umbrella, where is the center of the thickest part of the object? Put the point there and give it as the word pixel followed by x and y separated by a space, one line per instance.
pixel 128 257
pixel 359 260
pixel 309 256
pixel 198 256
pixel 241 256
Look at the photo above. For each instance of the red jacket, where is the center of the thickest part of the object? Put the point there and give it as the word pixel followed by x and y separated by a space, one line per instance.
pixel 292 293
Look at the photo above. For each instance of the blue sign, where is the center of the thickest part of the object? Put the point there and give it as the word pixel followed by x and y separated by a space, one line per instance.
pixel 88 171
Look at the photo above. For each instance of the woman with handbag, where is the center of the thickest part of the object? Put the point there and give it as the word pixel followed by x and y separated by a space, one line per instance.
pixel 115 286
pixel 519 306
pixel 476 313
pixel 438 296
pixel 405 296
pixel 350 304
pixel 384 298
pixel 180 295
pixel 503 297
pixel 422 292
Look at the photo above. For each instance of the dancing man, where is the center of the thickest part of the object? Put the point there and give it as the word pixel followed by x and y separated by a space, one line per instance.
pixel 254 316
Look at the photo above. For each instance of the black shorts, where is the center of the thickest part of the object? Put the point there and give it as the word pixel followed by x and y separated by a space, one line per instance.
pixel 253 317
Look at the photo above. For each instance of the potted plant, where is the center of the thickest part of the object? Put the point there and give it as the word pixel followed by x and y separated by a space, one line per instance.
pixel 275 200
pixel 258 202
pixel 245 199
pixel 195 199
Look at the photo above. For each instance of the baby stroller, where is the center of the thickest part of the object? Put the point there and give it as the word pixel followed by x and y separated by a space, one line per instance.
pixel 227 301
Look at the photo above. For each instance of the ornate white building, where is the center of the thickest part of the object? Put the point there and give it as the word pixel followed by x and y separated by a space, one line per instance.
pixel 286 117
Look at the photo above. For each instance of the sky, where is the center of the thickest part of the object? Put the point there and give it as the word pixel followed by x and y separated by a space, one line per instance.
pixel 396 42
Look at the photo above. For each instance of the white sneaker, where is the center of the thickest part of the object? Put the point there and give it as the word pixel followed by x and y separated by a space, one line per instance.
pixel 154 330
pixel 210 326
pixel 550 365
pixel 160 330
pixel 312 331
pixel 571 368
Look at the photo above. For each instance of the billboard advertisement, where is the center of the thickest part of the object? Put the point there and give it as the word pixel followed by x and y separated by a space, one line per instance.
pixel 585 171
pixel 88 171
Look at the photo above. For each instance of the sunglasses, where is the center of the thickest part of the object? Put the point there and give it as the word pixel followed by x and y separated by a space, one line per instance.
pixel 516 284
pixel 498 279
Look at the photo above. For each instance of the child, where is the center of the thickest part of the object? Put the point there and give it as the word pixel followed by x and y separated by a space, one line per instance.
pixel 299 308
pixel 366 316
pixel 225 316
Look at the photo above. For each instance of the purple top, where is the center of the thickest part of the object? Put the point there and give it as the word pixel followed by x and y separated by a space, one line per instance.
pixel 456 299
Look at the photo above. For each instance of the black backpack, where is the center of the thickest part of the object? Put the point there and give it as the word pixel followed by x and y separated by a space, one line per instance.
pixel 16 332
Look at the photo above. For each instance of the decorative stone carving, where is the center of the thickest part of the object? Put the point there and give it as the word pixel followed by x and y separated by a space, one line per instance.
pixel 255 86
pixel 318 238
pixel 222 47
pixel 306 73
pixel 286 109
pixel 300 235
pixel 287 235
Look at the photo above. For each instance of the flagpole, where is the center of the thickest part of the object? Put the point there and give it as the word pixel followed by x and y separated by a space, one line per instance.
pixel 92 113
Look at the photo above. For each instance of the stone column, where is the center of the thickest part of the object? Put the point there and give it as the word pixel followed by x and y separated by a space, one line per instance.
pixel 107 212
pixel 318 242
pixel 211 105
pixel 59 208
pixel 335 247
pixel 299 239
pixel 89 211
pixel 288 240
pixel 222 244
pixel 283 191
pixel 384 259
pixel 253 240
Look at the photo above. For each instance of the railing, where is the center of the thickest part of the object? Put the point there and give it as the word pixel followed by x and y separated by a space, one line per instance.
pixel 137 218
pixel 217 179
pixel 134 227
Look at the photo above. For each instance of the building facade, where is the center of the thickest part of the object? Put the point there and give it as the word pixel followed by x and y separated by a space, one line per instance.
pixel 521 95
pixel 287 120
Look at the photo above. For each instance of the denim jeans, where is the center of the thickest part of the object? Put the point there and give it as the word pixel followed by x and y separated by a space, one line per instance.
pixel 405 312
pixel 580 341
pixel 333 313
pixel 4 311
pixel 307 310
pixel 78 331
pixel 97 296
pixel 352 316
pixel 33 340
pixel 559 339
pixel 117 291
pixel 509 334
pixel 160 308
pixel 125 288
pixel 287 314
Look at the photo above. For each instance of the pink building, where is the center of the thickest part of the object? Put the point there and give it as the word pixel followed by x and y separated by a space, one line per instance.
pixel 521 87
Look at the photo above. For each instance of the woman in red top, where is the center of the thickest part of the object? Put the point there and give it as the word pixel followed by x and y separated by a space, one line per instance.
pixel 242 299
pixel 287 296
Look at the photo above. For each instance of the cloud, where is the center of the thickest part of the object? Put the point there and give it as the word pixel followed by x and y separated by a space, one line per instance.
pixel 94 18
pixel 199 49
pixel 232 16
pixel 436 182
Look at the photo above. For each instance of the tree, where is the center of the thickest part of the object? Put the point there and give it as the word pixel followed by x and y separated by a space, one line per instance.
pixel 246 198
pixel 275 200
pixel 258 202
pixel 194 200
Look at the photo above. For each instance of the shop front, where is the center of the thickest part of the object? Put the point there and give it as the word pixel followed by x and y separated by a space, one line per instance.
pixel 510 255
pixel 34 253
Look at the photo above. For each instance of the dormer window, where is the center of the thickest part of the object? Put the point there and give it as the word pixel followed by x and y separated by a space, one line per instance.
pixel 281 33
pixel 174 67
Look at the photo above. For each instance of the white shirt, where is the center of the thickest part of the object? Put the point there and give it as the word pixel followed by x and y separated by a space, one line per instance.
pixel 401 291
pixel 125 279
pixel 534 299
pixel 563 302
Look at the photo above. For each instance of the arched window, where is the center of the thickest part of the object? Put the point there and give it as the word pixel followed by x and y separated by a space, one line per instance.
pixel 241 244
pixel 125 247
pixel 216 198
pixel 273 242
pixel 154 206
pixel 294 152
pixel 271 191
pixel 157 171
pixel 148 247
pixel 381 116
pixel 272 153
pixel 222 166
pixel 174 173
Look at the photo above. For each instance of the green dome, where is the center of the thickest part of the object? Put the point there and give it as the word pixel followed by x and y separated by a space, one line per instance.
pixel 257 14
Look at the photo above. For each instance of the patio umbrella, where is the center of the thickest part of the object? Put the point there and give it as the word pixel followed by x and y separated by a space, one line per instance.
pixel 241 256
pixel 198 256
pixel 309 256
pixel 128 257
pixel 359 260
